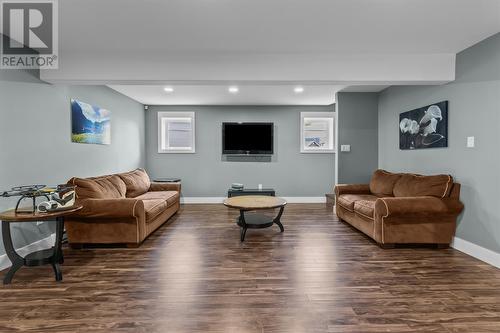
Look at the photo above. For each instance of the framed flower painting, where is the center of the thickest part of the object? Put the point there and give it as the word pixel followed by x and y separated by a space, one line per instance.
pixel 425 127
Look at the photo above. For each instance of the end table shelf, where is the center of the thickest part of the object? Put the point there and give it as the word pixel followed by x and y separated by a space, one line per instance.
pixel 52 256
pixel 167 180
pixel 250 191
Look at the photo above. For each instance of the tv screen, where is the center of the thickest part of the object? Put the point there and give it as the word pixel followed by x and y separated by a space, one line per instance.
pixel 247 138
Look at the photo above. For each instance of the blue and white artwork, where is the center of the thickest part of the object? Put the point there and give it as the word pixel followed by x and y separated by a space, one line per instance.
pixel 90 123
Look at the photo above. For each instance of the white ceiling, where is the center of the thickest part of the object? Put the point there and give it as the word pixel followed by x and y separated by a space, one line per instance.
pixel 247 95
pixel 263 43
pixel 278 26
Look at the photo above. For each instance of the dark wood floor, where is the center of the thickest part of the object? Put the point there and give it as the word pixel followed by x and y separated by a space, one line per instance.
pixel 194 275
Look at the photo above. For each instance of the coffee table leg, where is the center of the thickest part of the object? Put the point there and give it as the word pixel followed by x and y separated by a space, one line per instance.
pixel 243 233
pixel 58 254
pixel 243 226
pixel 16 260
pixel 278 218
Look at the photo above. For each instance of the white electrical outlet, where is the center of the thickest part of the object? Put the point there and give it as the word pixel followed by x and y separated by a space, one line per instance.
pixel 260 187
pixel 345 148
pixel 470 142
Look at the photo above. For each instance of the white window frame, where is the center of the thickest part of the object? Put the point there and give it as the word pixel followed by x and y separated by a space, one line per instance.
pixel 164 117
pixel 327 116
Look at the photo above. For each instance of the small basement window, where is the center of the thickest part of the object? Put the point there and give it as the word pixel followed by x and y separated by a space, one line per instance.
pixel 176 132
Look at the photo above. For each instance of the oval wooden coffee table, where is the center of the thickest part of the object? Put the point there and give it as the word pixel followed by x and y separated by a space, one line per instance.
pixel 52 256
pixel 248 203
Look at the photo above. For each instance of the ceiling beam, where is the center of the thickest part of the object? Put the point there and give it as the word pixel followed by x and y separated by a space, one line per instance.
pixel 342 69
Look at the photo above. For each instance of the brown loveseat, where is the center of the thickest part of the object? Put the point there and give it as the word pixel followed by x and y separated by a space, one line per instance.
pixel 399 208
pixel 121 208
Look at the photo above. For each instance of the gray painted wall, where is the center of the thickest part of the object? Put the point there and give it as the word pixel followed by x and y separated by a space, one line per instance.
pixel 474 110
pixel 206 174
pixel 36 145
pixel 357 117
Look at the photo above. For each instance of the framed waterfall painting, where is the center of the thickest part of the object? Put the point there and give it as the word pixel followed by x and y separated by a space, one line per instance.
pixel 90 123
pixel 425 127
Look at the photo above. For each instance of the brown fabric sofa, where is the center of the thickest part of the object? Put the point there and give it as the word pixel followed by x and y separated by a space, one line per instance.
pixel 121 208
pixel 402 208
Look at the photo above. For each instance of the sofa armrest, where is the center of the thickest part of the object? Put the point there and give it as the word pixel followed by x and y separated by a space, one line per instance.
pixel 110 208
pixel 352 189
pixel 157 186
pixel 400 206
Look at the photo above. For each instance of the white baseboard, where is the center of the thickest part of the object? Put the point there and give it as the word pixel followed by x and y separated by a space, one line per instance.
pixel 218 200
pixel 476 251
pixel 305 199
pixel 42 244
pixel 202 200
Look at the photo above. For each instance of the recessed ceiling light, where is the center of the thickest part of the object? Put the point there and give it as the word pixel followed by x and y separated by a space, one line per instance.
pixel 168 89
pixel 233 90
pixel 298 90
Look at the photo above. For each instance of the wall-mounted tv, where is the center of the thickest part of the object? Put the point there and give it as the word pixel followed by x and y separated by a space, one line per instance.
pixel 247 138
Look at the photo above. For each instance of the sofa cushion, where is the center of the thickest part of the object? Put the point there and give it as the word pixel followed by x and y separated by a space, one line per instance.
pixel 410 185
pixel 171 197
pixel 137 182
pixel 347 200
pixel 365 208
pixel 382 183
pixel 153 208
pixel 106 187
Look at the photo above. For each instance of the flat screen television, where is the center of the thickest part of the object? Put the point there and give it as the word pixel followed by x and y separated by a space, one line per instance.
pixel 247 138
